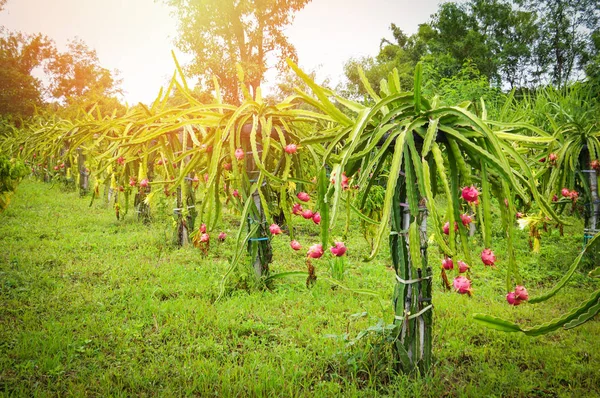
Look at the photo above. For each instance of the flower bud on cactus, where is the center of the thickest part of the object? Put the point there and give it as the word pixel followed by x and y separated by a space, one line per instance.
pixel 202 228
pixel 235 193
pixel 462 267
pixel 565 192
pixel 204 238
pixel 144 183
pixel 222 237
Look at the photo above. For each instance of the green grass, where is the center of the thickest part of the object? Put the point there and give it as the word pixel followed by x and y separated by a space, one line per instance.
pixel 94 306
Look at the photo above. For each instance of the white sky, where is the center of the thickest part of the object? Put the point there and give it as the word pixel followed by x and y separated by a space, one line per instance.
pixel 136 36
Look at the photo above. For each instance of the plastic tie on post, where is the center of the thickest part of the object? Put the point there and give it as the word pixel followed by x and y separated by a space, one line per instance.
pixel 181 208
pixel 401 232
pixel 259 239
pixel 413 316
pixel 411 281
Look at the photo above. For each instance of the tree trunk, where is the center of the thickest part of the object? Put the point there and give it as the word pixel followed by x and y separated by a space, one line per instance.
pixel 412 296
pixel 259 246
pixel 83 174
pixel 185 211
pixel 594 198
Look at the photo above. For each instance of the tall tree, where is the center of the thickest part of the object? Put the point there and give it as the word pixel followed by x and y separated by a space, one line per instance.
pixel 566 29
pixel 509 34
pixel 221 33
pixel 77 77
pixel 20 54
pixel 402 52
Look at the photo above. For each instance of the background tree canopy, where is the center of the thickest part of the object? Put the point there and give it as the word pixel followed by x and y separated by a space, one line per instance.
pixel 511 43
pixel 34 75
pixel 220 33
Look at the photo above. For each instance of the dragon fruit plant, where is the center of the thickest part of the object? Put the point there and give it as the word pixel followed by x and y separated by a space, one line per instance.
pixel 422 142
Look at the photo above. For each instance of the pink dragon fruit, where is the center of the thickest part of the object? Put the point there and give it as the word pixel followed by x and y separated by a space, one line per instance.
pixel 297 209
pixel 462 267
pixel 275 229
pixel 315 251
pixel 521 293
pixel 339 249
pixel 470 194
pixel 316 218
pixel 307 214
pixel 291 149
pixel 447 264
pixel 466 219
pixel 512 299
pixel 446 227
pixel 239 154
pixel 462 285
pixel 303 196
pixel 488 257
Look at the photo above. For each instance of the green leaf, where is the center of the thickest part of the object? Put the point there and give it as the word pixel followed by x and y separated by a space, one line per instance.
pixel 563 281
pixel 417 86
pixel 586 316
pixel 493 322
pixel 367 85
pixel 432 130
pixel 486 199
pixel 325 103
pixel 389 192
pixel 433 214
pixel 414 244
pixel 439 160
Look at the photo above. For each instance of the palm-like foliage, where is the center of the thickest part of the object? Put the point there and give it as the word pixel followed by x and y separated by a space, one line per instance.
pixel 418 143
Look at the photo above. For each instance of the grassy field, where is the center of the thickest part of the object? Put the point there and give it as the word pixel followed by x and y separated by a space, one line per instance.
pixel 94 306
